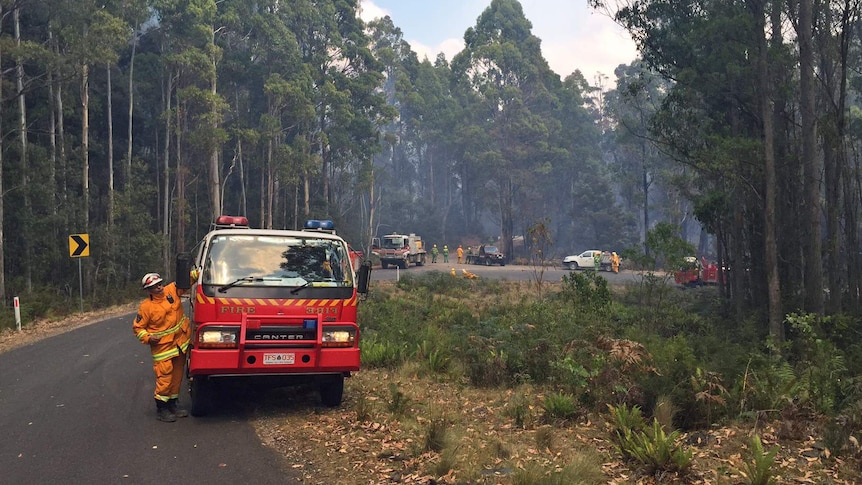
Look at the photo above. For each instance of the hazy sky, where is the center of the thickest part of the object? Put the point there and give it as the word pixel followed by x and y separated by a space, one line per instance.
pixel 573 35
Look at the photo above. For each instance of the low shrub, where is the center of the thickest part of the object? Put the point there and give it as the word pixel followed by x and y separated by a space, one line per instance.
pixel 757 469
pixel 386 354
pixel 560 406
pixel 651 447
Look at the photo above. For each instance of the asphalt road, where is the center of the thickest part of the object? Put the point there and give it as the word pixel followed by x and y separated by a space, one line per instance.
pixel 511 272
pixel 78 408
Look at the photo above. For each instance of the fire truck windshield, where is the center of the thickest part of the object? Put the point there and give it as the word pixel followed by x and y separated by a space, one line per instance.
pixel 273 260
pixel 393 243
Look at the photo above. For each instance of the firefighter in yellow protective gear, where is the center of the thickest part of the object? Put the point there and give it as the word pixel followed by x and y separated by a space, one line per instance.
pixel 161 324
pixel 615 262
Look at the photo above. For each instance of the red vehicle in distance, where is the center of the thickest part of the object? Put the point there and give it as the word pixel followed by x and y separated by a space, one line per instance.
pixel 698 272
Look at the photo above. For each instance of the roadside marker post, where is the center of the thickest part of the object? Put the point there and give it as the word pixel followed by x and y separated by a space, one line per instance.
pixel 17 305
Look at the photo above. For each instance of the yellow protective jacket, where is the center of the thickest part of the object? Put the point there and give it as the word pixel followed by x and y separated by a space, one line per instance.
pixel 163 316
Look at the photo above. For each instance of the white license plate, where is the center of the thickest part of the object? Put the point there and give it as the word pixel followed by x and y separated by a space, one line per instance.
pixel 279 359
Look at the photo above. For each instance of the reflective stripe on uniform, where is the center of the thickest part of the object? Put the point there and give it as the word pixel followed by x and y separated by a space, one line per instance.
pixel 168 354
pixel 170 330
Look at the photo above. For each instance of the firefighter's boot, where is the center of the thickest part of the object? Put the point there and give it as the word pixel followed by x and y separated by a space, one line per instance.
pixel 173 405
pixel 163 412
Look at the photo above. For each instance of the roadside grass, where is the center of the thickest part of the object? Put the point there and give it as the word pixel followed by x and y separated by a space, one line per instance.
pixel 476 382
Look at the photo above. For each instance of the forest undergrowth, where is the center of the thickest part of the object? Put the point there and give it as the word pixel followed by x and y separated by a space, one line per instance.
pixel 481 382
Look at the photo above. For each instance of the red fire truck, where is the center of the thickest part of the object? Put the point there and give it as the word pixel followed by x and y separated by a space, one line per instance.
pixel 698 272
pixel 274 307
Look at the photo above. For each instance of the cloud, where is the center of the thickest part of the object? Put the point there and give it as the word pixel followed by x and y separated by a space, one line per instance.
pixel 574 37
pixel 369 11
pixel 448 47
pixel 599 52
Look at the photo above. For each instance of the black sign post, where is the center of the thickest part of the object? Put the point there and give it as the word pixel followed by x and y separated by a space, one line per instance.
pixel 79 247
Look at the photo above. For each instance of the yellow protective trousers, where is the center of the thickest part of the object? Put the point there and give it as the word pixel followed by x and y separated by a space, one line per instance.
pixel 169 377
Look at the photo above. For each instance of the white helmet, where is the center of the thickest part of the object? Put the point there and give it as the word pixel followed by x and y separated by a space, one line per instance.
pixel 150 279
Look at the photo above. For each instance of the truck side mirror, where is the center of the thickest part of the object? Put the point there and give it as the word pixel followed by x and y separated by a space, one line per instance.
pixel 363 277
pixel 184 267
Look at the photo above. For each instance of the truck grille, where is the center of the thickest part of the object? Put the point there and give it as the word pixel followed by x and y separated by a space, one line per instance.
pixel 280 335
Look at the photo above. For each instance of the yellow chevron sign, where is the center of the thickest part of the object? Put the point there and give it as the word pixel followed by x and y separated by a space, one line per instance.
pixel 79 245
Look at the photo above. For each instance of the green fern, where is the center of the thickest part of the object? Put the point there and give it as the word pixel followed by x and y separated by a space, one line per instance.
pixel 656 450
pixel 560 406
pixel 757 470
pixel 624 418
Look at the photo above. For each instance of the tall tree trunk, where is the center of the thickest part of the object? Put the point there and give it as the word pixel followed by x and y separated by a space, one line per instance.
pixel 372 211
pixel 813 248
pixel 61 139
pixel 52 136
pixel 2 208
pixel 645 183
pixel 324 164
pixel 243 202
pixel 831 169
pixel 737 249
pixel 166 178
pixel 25 168
pixel 834 69
pixel 776 327
pixel 85 144
pixel 854 267
pixel 181 124
pixel 129 134
pixel 852 271
pixel 262 193
pixel 507 224
pixel 110 150
pixel 270 182
pixel 215 178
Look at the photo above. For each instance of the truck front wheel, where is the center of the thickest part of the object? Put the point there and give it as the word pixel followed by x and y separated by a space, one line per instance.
pixel 201 392
pixel 331 391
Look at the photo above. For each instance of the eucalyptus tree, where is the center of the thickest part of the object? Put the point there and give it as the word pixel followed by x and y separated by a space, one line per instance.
pixel 349 108
pixel 717 118
pixel 93 35
pixel 135 13
pixel 590 215
pixel 645 174
pixel 396 58
pixel 789 99
pixel 26 60
pixel 813 244
pixel 503 64
pixel 396 167
pixel 194 124
pixel 269 90
pixel 436 116
pixel 834 38
pixel 418 165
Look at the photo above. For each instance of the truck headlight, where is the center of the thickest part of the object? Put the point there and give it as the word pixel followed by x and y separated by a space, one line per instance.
pixel 339 337
pixel 218 338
